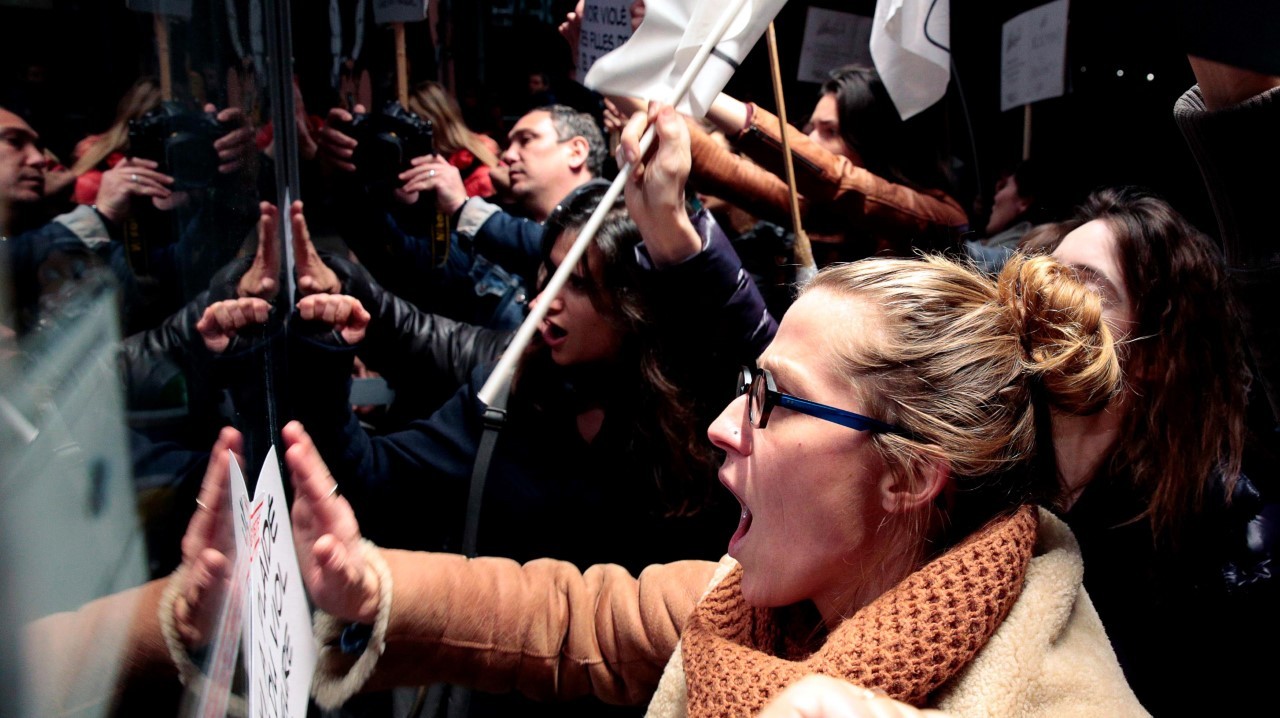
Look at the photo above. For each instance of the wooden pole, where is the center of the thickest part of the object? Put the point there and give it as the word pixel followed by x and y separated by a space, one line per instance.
pixel 802 250
pixel 402 66
pixel 1026 131
pixel 162 53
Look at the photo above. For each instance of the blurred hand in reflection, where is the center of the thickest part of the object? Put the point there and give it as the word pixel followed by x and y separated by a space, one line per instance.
pixel 222 321
pixel 302 122
pixel 236 148
pixel 327 536
pixel 432 173
pixel 313 275
pixel 346 315
pixel 207 547
pixel 359 370
pixel 132 177
pixel 571 30
pixel 262 278
pixel 336 148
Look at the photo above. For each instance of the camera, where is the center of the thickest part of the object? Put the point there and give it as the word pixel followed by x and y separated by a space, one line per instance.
pixel 386 143
pixel 181 142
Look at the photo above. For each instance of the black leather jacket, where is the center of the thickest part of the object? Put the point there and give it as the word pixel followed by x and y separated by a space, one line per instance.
pixel 1186 619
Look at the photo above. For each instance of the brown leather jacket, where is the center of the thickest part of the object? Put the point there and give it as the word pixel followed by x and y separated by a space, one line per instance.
pixel 875 215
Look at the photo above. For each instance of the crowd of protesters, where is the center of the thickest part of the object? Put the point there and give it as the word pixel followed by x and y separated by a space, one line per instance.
pixel 1021 471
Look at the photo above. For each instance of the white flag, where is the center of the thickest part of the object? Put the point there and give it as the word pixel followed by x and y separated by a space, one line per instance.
pixel 650 64
pixel 910 44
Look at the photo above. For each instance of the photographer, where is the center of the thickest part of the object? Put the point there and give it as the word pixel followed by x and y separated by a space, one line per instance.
pixel 43 254
pixel 554 150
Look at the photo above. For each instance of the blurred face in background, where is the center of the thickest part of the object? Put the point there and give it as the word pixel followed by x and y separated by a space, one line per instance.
pixel 1091 250
pixel 22 162
pixel 540 165
pixel 824 128
pixel 1007 206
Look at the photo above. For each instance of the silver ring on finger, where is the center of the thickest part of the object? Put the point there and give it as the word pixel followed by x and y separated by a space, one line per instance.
pixel 202 505
pixel 134 178
pixel 332 491
pixel 431 173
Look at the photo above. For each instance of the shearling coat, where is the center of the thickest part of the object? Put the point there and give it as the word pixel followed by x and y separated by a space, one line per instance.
pixel 552 632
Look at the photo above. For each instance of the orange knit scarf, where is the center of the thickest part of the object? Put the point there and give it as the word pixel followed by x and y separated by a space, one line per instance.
pixel 907 642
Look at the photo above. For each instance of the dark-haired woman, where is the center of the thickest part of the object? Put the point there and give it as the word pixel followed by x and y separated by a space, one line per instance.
pixel 866 178
pixel 600 458
pixel 1175 521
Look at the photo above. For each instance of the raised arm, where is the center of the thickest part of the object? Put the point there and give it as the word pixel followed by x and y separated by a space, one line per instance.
pixel 543 628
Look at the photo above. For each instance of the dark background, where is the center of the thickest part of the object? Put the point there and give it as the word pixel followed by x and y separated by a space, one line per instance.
pixel 69 65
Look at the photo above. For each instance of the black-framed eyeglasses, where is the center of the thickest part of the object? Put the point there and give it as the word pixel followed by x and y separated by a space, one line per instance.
pixel 762 395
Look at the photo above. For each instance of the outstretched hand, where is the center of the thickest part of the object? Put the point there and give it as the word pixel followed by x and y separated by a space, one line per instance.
pixel 345 314
pixel 314 276
pixel 222 321
pixel 655 186
pixel 261 279
pixel 327 536
pixel 206 546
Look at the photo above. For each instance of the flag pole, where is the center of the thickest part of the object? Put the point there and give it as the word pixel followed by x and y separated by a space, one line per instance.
pixel 802 250
pixel 499 381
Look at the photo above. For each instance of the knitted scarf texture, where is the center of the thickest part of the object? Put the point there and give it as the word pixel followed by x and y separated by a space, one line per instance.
pixel 907 643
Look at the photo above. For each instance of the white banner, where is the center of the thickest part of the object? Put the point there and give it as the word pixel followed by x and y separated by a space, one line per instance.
pixel 649 66
pixel 911 45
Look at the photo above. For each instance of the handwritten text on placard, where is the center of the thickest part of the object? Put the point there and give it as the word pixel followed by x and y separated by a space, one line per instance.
pixel 279 648
pixel 1033 55
pixel 606 24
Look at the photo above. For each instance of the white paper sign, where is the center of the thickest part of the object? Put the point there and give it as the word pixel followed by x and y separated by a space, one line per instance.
pixel 832 39
pixel 1033 58
pixel 386 11
pixel 279 648
pixel 170 8
pixel 606 24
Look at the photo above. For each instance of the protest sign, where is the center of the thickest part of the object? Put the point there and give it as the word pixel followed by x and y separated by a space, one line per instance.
pixel 389 11
pixel 171 8
pixel 832 39
pixel 606 24
pixel 1033 55
pixel 279 651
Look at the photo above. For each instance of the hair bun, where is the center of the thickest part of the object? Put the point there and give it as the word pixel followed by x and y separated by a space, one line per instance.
pixel 1066 344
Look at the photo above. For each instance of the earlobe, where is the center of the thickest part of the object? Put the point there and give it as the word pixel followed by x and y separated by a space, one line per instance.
pixel 579 149
pixel 917 487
